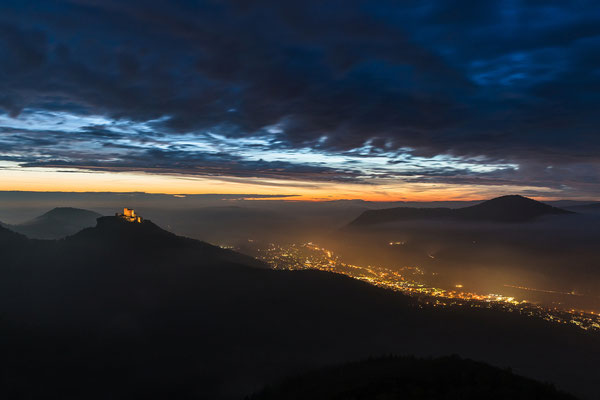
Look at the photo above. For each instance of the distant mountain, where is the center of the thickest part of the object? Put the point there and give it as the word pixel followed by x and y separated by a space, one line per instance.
pixel 511 208
pixel 586 207
pixel 409 378
pixel 57 223
pixel 567 203
pixel 130 311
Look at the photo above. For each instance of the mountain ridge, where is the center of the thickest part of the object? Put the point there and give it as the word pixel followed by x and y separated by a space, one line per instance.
pixel 145 240
pixel 57 223
pixel 510 208
pixel 134 311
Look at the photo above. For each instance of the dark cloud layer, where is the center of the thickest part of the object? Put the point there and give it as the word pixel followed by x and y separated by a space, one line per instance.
pixel 184 163
pixel 509 81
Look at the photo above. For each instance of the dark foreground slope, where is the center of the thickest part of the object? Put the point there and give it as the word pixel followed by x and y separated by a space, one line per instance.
pixel 9 238
pixel 57 223
pixel 511 208
pixel 409 378
pixel 129 311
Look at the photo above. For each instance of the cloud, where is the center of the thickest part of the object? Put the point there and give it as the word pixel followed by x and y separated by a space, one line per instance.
pixel 491 84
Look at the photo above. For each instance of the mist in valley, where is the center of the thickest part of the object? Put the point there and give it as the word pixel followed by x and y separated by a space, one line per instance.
pixel 551 260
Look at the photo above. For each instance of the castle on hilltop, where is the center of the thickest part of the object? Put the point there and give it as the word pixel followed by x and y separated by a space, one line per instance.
pixel 129 215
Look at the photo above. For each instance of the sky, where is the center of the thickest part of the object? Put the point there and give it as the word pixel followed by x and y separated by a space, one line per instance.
pixel 312 99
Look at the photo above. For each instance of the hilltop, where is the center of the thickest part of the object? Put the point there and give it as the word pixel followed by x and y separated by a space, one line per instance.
pixel 139 243
pixel 512 208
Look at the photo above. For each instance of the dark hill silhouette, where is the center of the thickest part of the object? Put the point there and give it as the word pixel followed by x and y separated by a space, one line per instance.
pixel 57 223
pixel 8 235
pixel 130 311
pixel 136 242
pixel 512 208
pixel 409 378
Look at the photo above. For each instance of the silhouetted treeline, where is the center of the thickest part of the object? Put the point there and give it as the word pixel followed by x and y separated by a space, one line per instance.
pixel 410 378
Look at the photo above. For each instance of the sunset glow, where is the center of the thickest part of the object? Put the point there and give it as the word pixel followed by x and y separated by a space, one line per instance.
pixel 50 179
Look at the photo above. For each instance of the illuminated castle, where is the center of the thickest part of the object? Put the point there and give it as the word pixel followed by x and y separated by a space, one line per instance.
pixel 129 215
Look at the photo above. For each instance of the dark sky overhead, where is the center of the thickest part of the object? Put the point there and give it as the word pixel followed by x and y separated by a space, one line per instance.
pixel 412 97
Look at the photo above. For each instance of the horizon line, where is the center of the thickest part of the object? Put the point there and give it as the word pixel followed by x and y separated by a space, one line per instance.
pixel 282 197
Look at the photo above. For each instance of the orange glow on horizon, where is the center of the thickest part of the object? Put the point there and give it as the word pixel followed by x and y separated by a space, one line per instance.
pixel 15 178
